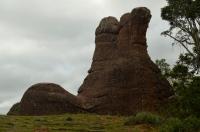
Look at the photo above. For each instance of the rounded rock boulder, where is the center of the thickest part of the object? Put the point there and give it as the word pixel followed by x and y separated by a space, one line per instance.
pixel 46 99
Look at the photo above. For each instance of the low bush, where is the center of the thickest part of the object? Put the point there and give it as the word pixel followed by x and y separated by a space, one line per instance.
pixel 189 124
pixel 171 125
pixel 144 118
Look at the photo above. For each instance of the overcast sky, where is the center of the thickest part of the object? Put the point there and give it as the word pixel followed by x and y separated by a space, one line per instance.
pixel 53 41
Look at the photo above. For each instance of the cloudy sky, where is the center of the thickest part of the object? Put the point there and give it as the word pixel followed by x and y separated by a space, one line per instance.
pixel 53 41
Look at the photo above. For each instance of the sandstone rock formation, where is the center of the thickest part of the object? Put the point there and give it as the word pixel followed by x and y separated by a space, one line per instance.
pixel 45 99
pixel 122 78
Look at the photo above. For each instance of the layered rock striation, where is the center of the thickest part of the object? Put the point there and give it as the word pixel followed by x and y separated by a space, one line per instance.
pixel 122 78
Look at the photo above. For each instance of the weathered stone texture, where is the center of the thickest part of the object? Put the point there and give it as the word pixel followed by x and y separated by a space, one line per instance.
pixel 45 99
pixel 122 78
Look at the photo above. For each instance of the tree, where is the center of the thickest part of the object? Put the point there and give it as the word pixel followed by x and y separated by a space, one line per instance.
pixel 185 84
pixel 187 90
pixel 164 67
pixel 184 19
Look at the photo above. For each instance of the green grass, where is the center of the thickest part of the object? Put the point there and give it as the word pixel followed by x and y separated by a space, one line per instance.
pixel 189 124
pixel 68 123
pixel 144 118
pixel 141 122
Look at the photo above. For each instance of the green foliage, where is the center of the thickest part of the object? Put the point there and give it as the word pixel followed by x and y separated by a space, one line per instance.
pixel 171 125
pixel 179 9
pixel 180 78
pixel 144 118
pixel 186 60
pixel 186 86
pixel 184 19
pixel 190 97
pixel 187 89
pixel 190 124
pixel 163 66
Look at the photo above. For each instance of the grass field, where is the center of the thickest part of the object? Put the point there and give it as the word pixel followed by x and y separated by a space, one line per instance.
pixel 69 123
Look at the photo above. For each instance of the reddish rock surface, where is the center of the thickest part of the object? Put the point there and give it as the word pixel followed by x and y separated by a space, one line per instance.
pixel 122 78
pixel 45 99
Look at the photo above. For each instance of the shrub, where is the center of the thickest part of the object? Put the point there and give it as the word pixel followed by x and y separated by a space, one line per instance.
pixel 172 125
pixel 191 124
pixel 144 118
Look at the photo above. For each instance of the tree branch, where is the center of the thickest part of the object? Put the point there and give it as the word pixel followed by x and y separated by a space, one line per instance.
pixel 198 21
pixel 179 24
pixel 181 44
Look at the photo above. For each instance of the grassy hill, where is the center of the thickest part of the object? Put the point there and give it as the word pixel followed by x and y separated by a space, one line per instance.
pixel 141 122
pixel 69 123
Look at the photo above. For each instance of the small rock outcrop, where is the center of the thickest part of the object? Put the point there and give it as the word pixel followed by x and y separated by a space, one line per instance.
pixel 45 99
pixel 122 78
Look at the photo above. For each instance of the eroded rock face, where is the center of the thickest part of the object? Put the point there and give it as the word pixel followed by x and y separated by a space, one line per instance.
pixel 122 78
pixel 45 99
